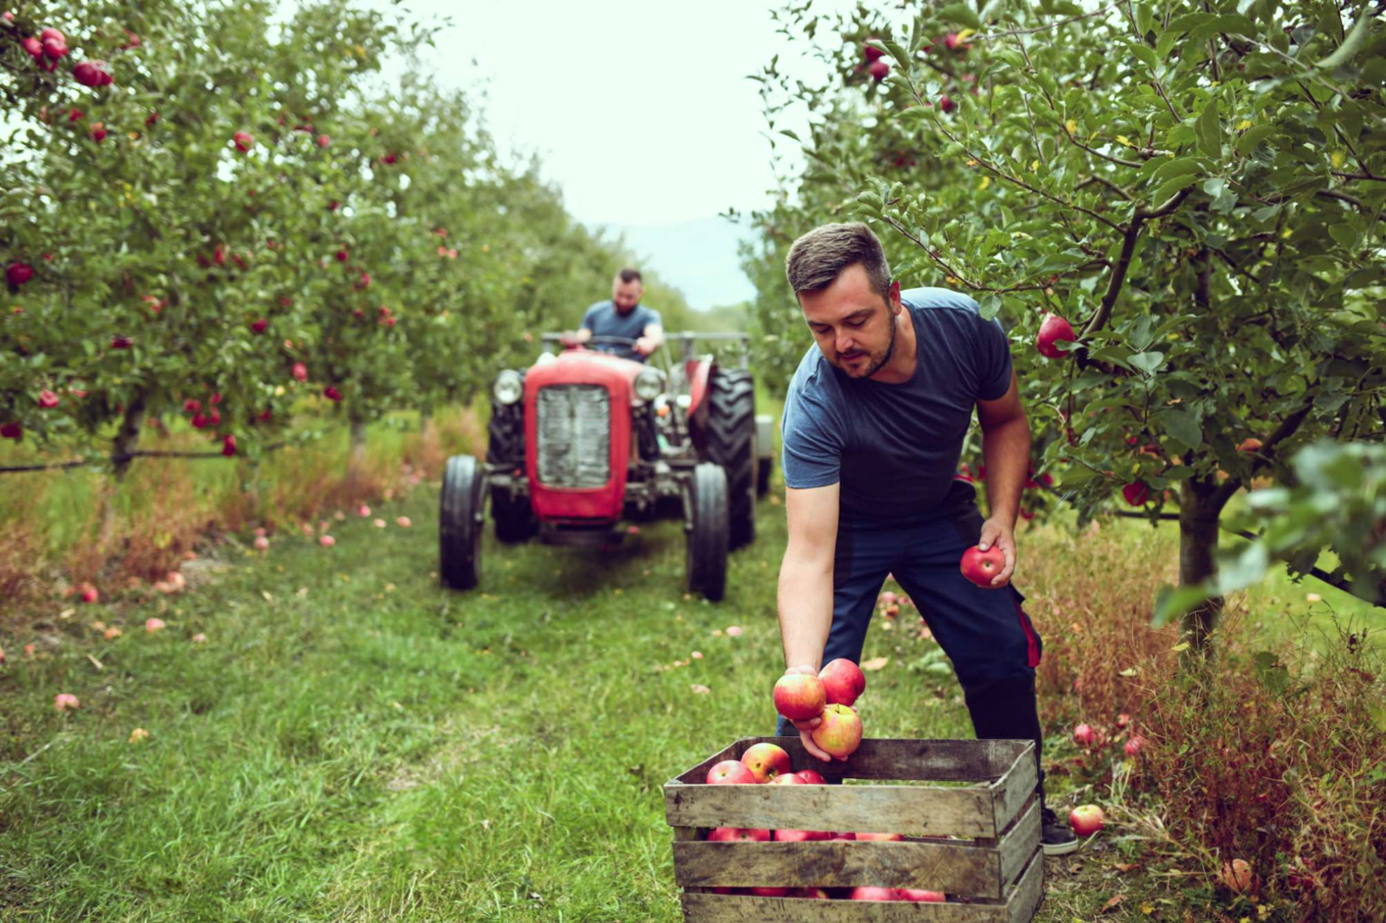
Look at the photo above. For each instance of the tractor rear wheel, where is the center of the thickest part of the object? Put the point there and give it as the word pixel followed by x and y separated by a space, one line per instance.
pixel 505 447
pixel 459 523
pixel 707 539
pixel 731 443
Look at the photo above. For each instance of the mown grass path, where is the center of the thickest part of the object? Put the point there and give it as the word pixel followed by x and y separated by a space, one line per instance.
pixel 354 742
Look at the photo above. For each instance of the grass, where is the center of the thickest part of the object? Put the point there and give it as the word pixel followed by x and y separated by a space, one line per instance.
pixel 353 742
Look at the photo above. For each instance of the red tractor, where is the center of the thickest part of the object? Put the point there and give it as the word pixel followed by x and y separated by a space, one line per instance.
pixel 584 440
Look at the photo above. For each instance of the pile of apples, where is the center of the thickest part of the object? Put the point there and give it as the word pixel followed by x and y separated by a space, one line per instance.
pixel 769 764
pixel 829 697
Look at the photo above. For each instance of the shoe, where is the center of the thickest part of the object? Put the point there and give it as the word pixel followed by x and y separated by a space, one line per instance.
pixel 1055 835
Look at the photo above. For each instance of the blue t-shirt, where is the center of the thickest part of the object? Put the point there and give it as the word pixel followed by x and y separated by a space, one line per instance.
pixel 894 448
pixel 604 321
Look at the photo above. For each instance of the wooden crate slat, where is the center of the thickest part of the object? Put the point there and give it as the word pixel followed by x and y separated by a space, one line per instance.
pixel 1014 789
pixel 952 868
pixel 907 760
pixel 1024 899
pixel 1020 842
pixel 911 810
pixel 738 908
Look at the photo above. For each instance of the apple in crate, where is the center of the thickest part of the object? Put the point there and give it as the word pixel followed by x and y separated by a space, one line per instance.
pixel 840 733
pixel 817 894
pixel 769 892
pixel 922 897
pixel 880 836
pixel 766 761
pixel 732 834
pixel 730 772
pixel 843 681
pixel 873 894
pixel 788 778
pixel 844 835
pixel 811 777
pixel 799 697
pixel 801 836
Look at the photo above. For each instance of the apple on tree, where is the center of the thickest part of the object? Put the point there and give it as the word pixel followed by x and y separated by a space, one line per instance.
pixel 1053 329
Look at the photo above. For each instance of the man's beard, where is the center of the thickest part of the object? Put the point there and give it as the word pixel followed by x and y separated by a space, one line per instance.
pixel 874 363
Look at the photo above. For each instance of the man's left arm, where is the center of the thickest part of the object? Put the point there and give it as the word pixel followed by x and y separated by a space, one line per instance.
pixel 1006 451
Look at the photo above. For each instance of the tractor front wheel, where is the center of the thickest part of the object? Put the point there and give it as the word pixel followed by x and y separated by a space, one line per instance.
pixel 708 535
pixel 459 523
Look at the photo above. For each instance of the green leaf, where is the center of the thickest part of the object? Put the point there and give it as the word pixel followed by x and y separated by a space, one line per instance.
pixel 1146 54
pixel 1344 233
pixel 1183 426
pixel 1252 137
pixel 960 13
pixel 1148 363
pixel 1172 602
pixel 1351 44
pixel 1145 19
pixel 1177 166
pixel 1188 21
pixel 901 56
pixel 789 134
pixel 1209 129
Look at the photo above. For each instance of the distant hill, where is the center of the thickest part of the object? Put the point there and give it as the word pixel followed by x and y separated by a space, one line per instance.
pixel 696 257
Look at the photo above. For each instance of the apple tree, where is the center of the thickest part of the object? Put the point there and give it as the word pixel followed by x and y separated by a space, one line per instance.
pixel 1197 192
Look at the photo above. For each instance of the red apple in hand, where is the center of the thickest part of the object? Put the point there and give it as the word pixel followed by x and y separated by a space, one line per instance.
pixel 766 761
pixel 1086 819
pixel 730 772
pixel 981 566
pixel 799 696
pixel 731 834
pixel 840 733
pixel 843 681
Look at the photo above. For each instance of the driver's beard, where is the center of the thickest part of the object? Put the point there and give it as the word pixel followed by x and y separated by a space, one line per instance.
pixel 874 366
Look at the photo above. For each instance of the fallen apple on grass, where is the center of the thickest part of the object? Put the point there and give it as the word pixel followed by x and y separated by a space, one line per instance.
pixel 1084 735
pixel 261 543
pixel 1236 876
pixel 153 625
pixel 1134 745
pixel 1086 819
pixel 65 701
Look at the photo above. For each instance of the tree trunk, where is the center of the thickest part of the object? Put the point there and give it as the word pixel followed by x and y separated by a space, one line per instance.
pixel 127 439
pixel 356 457
pixel 1198 542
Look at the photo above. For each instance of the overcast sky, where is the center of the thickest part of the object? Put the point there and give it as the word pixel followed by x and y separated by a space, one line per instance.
pixel 639 109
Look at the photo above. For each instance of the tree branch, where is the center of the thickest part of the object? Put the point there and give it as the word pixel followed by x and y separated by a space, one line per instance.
pixel 1263 456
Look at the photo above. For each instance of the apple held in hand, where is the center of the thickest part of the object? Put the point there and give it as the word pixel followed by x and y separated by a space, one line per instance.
pixel 843 681
pixel 730 772
pixel 1086 819
pixel 799 696
pixel 840 733
pixel 981 566
pixel 767 762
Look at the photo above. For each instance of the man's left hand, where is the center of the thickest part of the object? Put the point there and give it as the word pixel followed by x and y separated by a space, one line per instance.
pixel 644 346
pixel 995 532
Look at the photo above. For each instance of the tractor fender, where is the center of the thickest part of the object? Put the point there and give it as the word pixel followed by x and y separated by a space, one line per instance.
pixel 765 435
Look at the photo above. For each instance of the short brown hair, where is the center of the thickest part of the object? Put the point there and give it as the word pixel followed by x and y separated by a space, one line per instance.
pixel 630 275
pixel 817 258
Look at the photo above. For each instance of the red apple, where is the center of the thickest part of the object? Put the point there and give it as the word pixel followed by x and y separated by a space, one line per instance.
pixel 946 104
pixel 33 46
pixel 843 681
pixel 1237 876
pixel 259 325
pixel 92 74
pixel 11 430
pixel 873 894
pixel 731 772
pixel 332 394
pixel 732 834
pixel 840 733
pixel 810 777
pixel 981 566
pixel 228 446
pixel 120 342
pixel 921 897
pixel 766 761
pixel 54 45
pixel 1084 735
pixel 90 595
pixel 814 893
pixel 768 892
pixel 799 696
pixel 800 836
pixel 47 399
pixel 18 273
pixel 881 837
pixel 261 543
pixel 1123 719
pixel 324 140
pixel 1086 819
pixel 788 778
pixel 243 140
pixel 1134 745
pixel 879 70
pixel 300 372
pixel 98 132
pixel 1136 493
pixel 953 43
pixel 872 53
pixel 1053 329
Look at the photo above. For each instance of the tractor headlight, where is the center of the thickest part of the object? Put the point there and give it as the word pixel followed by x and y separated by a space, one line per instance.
pixel 649 384
pixel 509 387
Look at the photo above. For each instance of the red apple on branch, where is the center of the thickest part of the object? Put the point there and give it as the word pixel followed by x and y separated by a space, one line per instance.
pixel 47 399
pixel 1136 493
pixel 243 140
pixel 1054 329
pixel 18 273
pixel 879 70
pixel 92 74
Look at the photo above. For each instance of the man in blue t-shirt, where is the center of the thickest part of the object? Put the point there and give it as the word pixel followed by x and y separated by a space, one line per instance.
pixel 873 428
pixel 622 316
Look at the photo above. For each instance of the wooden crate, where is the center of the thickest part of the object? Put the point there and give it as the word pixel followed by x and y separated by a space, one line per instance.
pixel 979 843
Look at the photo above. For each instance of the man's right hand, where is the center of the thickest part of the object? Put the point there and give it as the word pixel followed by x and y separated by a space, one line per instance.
pixel 568 339
pixel 806 727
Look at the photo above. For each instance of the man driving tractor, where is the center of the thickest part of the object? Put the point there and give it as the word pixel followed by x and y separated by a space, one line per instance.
pixel 873 427
pixel 623 317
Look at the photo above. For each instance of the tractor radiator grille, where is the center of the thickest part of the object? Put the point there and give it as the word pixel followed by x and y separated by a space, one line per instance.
pixel 574 425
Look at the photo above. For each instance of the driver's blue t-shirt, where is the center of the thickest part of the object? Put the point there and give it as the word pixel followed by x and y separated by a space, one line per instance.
pixel 894 448
pixel 605 321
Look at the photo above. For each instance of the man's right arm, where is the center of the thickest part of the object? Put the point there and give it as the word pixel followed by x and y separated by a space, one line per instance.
pixel 806 576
